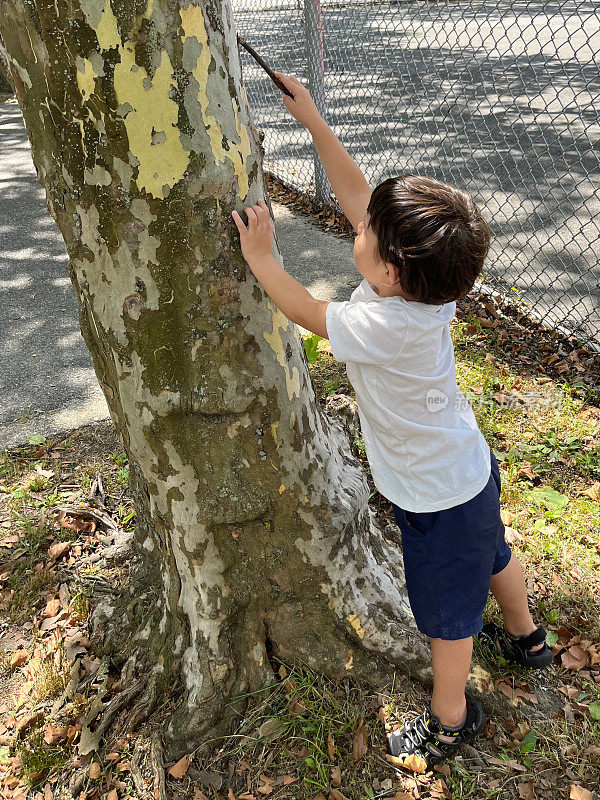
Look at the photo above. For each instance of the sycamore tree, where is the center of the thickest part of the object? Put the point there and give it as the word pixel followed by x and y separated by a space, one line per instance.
pixel 253 533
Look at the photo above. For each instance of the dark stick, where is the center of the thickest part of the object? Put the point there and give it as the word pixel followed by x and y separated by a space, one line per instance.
pixel 266 67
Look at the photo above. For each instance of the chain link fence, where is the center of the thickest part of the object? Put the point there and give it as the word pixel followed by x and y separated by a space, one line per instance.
pixel 498 98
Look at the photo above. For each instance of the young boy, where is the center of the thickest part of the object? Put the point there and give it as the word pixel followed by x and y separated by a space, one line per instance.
pixel 420 246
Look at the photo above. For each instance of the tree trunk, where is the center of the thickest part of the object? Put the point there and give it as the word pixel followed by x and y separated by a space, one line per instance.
pixel 4 72
pixel 253 533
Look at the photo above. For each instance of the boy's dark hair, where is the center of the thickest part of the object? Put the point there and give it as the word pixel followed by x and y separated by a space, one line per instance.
pixel 433 233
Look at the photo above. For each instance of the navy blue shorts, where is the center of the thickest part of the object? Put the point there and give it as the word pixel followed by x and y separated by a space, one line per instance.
pixel 449 558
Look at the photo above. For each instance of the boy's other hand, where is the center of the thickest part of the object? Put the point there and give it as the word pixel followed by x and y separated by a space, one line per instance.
pixel 302 107
pixel 256 238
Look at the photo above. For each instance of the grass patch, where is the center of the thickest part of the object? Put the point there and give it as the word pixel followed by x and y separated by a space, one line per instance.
pixel 305 727
pixel 49 681
pixel 38 760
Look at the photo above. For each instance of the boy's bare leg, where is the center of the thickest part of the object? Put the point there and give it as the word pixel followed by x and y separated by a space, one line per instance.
pixel 451 664
pixel 508 587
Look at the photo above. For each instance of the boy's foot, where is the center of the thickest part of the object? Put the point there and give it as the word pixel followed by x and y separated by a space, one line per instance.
pixel 421 736
pixel 523 650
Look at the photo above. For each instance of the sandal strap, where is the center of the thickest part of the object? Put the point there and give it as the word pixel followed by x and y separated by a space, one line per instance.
pixel 536 637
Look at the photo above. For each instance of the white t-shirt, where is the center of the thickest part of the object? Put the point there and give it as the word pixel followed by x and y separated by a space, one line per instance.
pixel 421 437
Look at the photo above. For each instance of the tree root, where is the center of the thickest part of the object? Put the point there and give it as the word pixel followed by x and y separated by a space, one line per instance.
pixel 138 760
pixel 157 761
pixel 117 703
pixel 149 757
pixel 77 781
pixel 145 705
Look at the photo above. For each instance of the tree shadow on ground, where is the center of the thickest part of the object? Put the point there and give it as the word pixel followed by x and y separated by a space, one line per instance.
pixel 43 355
pixel 499 100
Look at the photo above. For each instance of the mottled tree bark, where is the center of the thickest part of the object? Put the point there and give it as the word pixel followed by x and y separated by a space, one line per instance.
pixel 4 72
pixel 253 532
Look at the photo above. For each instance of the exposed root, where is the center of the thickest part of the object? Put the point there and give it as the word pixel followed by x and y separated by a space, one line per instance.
pixel 157 762
pixel 473 754
pixel 77 781
pixel 101 518
pixel 138 760
pixel 145 705
pixel 117 703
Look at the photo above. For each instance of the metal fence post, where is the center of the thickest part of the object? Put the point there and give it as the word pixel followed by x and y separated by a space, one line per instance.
pixel 313 32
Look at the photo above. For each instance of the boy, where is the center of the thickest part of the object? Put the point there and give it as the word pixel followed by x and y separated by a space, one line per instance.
pixel 420 246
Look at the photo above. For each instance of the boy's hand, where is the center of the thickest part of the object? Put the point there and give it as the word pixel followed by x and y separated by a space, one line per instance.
pixel 256 238
pixel 302 107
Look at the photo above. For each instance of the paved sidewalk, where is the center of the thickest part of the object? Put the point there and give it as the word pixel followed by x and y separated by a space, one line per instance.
pixel 47 382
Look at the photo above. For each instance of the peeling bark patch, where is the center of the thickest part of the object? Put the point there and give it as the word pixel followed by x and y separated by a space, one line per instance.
pixel 355 622
pixel 162 160
pixel 194 27
pixel 292 377
pixel 107 277
pixel 107 32
pixel 86 77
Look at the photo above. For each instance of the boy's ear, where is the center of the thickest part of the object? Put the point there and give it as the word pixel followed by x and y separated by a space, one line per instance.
pixel 392 274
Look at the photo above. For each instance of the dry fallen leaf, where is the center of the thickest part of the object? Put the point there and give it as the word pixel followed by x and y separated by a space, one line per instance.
pixel 593 491
pixel 481 678
pixel 94 770
pixel 516 694
pixel 336 776
pixel 179 769
pixel 296 707
pixel 414 763
pixel 526 471
pixel 510 763
pixel 526 791
pixel 330 746
pixel 574 658
pixel 359 745
pixel 335 794
pixel 594 654
pixel 511 535
pixel 579 793
pixel 52 734
pixel 18 657
pixel 58 550
pixel 52 608
pixel 76 523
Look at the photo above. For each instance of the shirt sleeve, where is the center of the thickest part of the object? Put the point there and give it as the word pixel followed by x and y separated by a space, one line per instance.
pixel 365 331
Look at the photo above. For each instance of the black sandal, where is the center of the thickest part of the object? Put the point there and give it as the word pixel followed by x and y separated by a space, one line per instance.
pixel 516 649
pixel 420 736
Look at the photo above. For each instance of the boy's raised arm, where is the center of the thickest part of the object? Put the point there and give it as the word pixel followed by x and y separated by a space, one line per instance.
pixel 347 181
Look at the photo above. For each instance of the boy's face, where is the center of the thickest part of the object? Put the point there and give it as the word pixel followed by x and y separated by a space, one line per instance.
pixel 367 258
